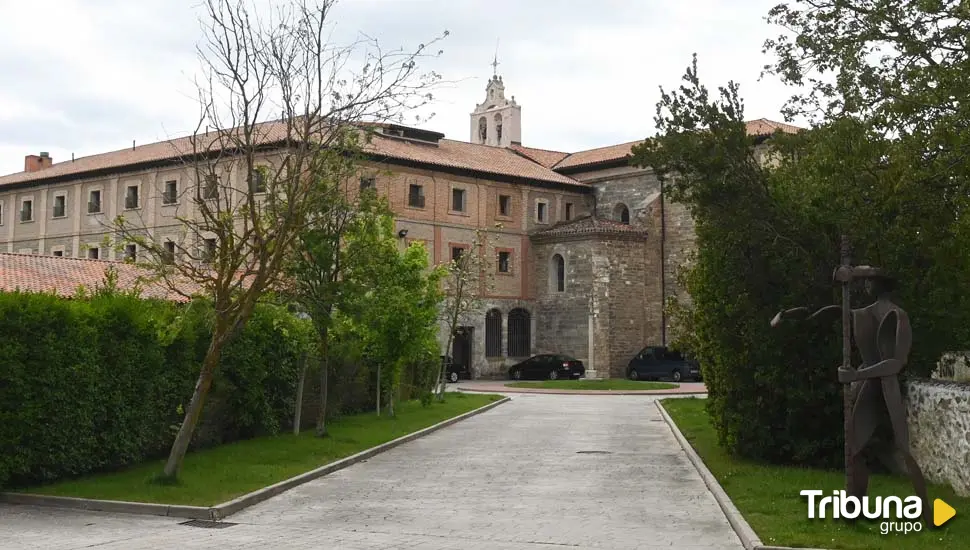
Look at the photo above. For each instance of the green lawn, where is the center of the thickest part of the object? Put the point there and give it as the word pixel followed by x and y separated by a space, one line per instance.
pixel 768 497
pixel 606 385
pixel 216 475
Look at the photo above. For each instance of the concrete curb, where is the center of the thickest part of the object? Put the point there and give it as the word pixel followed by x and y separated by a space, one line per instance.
pixel 744 531
pixel 506 389
pixel 221 511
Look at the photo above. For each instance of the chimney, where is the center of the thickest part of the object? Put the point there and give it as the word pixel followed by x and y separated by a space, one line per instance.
pixel 33 163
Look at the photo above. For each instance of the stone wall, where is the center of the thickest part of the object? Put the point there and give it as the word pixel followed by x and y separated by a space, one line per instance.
pixel 482 366
pixel 639 191
pixel 626 302
pixel 939 426
pixel 562 318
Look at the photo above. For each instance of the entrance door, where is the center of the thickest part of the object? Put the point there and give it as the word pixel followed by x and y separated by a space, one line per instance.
pixel 461 349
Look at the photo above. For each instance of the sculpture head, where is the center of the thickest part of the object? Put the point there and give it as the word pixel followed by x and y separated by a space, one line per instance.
pixel 875 280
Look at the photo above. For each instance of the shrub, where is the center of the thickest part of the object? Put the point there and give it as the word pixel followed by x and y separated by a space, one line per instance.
pixel 99 383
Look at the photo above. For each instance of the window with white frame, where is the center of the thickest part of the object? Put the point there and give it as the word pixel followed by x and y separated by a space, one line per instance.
pixel 131 197
pixel 171 192
pixel 1 212
pixel 94 201
pixel 27 210
pixel 542 211
pixel 59 208
pixel 57 251
pixel 131 252
pixel 459 199
pixel 94 252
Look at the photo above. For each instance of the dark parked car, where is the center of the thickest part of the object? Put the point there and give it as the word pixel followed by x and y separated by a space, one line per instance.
pixel 655 362
pixel 454 372
pixel 548 366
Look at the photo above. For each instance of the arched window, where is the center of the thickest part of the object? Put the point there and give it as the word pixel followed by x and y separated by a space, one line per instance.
pixel 621 213
pixel 482 129
pixel 520 333
pixel 493 333
pixel 557 280
pixel 498 126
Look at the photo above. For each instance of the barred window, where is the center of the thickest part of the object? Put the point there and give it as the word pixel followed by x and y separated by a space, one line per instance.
pixel 520 333
pixel 493 333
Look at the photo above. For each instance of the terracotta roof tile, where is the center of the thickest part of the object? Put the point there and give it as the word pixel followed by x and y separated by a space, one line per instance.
pixel 759 127
pixel 470 156
pixel 589 225
pixel 159 151
pixel 598 155
pixel 544 157
pixel 448 153
pixel 62 276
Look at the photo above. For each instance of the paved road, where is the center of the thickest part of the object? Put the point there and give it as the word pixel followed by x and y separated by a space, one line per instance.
pixel 516 478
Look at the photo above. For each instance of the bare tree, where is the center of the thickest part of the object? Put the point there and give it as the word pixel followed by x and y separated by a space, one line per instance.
pixel 281 108
pixel 469 279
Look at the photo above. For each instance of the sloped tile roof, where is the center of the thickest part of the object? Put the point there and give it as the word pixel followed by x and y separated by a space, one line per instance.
pixel 759 127
pixel 160 151
pixel 469 156
pixel 448 153
pixel 589 225
pixel 544 157
pixel 62 276
pixel 598 155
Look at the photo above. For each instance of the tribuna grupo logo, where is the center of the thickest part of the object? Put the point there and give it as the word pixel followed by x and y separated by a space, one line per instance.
pixel 898 515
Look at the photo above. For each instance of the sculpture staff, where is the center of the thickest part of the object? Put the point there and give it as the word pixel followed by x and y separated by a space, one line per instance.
pixel 883 336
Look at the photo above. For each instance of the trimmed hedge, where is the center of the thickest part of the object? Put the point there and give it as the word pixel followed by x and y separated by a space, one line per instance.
pixel 97 384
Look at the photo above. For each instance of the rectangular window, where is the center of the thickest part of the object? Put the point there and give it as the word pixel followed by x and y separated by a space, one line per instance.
pixel 504 261
pixel 57 253
pixel 170 195
pixel 458 200
pixel 168 252
pixel 456 252
pixel 210 187
pixel 60 206
pixel 541 212
pixel 94 201
pixel 368 182
pixel 210 248
pixel 131 197
pixel 94 253
pixel 569 211
pixel 504 205
pixel 257 181
pixel 1 212
pixel 416 196
pixel 131 252
pixel 27 211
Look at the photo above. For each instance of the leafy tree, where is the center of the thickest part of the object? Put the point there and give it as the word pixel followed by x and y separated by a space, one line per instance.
pixel 468 279
pixel 279 104
pixel 319 263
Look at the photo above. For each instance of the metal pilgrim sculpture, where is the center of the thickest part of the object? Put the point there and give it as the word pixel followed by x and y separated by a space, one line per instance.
pixel 883 337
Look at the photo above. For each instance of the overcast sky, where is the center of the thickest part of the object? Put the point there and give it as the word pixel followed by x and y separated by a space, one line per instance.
pixel 89 76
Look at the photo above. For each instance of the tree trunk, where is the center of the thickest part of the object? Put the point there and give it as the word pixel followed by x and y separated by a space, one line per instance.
pixel 324 334
pixel 298 413
pixel 173 466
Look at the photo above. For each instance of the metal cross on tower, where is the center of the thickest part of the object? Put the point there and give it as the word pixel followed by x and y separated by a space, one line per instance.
pixel 495 60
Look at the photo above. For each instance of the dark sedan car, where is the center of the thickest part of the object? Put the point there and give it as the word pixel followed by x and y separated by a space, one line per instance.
pixel 548 366
pixel 454 372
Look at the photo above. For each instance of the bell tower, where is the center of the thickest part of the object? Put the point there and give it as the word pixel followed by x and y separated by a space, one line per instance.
pixel 497 121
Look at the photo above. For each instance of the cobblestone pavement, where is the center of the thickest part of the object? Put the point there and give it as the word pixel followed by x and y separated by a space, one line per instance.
pixel 518 477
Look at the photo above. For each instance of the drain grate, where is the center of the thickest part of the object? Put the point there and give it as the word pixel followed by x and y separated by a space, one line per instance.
pixel 207 524
pixel 594 452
